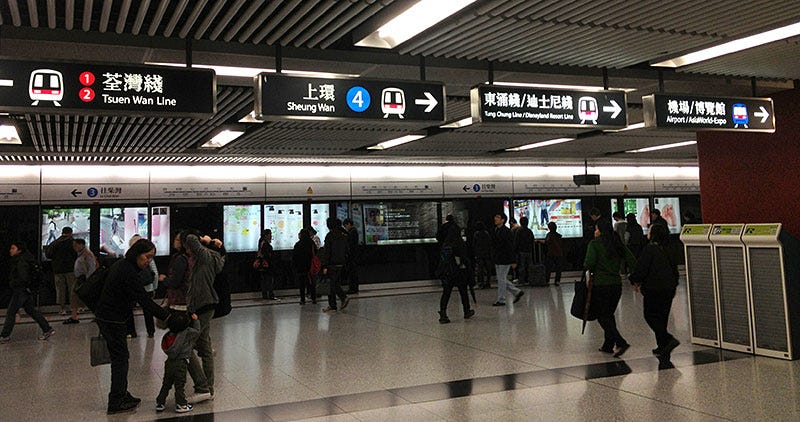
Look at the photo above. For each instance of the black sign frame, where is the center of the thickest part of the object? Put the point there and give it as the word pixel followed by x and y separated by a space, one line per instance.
pixel 526 115
pixel 417 96
pixel 20 89
pixel 657 115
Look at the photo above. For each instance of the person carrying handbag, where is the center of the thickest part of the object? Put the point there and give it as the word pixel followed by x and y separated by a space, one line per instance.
pixel 302 256
pixel 264 267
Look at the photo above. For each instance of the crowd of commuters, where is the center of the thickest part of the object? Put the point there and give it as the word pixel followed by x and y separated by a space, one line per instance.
pixel 612 253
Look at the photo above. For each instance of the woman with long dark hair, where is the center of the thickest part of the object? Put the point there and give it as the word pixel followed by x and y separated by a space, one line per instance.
pixel 123 288
pixel 636 238
pixel 604 257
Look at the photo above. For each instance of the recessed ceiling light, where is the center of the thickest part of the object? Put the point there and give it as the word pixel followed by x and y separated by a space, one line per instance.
pixel 223 138
pixel 395 142
pixel 467 121
pixel 249 72
pixel 634 126
pixel 540 144
pixel 732 46
pixel 413 21
pixel 9 135
pixel 660 147
pixel 559 86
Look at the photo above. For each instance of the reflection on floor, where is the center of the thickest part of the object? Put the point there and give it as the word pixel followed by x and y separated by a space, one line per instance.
pixel 386 358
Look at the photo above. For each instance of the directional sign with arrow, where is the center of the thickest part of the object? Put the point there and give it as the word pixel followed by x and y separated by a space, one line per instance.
pixel 690 112
pixel 76 192
pixel 549 107
pixel 429 101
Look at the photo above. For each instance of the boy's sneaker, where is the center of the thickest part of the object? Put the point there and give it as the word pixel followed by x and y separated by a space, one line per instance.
pixel 47 335
pixel 200 397
pixel 183 408
pixel 4 340
pixel 160 407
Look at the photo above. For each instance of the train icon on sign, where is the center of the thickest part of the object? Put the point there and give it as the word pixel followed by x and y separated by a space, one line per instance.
pixel 740 116
pixel 587 110
pixel 393 101
pixel 46 85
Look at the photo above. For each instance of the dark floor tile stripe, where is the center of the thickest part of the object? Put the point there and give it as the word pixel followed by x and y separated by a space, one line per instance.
pixel 461 388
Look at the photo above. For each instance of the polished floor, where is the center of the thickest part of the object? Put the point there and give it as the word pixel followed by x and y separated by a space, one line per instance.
pixel 386 358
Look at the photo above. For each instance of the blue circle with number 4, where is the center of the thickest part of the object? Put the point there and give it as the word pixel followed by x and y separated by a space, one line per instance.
pixel 92 192
pixel 358 99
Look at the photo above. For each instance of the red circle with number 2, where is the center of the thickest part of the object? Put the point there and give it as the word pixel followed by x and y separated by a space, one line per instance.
pixel 86 95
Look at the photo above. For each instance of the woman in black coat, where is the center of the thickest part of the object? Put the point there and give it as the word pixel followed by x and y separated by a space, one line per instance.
pixel 303 251
pixel 656 276
pixel 121 290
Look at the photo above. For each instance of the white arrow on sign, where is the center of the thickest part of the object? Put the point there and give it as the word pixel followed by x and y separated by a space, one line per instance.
pixel 430 102
pixel 763 114
pixel 614 109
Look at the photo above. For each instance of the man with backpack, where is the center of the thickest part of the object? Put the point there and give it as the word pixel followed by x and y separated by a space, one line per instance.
pixel 63 255
pixel 20 276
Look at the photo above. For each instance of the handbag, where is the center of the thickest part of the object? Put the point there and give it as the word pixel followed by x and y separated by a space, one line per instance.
pixel 98 351
pixel 323 284
pixel 316 264
pixel 578 308
pixel 260 264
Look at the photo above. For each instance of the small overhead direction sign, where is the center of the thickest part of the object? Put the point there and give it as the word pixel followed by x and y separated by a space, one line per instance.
pixel 691 112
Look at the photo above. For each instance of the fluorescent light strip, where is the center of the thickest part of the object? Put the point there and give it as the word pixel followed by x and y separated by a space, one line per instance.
pixel 732 46
pixel 249 72
pixel 558 86
pixel 540 144
pixel 660 147
pixel 417 18
pixel 467 121
pixel 395 142
pixel 9 135
pixel 634 126
pixel 223 138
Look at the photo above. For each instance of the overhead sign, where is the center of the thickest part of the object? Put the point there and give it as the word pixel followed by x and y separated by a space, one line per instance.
pixel 291 97
pixel 691 112
pixel 49 87
pixel 95 192
pixel 549 107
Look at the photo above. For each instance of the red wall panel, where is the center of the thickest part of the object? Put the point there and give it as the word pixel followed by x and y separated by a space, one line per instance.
pixel 754 177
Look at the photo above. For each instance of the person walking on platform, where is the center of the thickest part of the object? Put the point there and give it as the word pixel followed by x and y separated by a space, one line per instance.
pixel 20 272
pixel 63 255
pixel 303 252
pixel 482 248
pixel 267 274
pixel 636 239
pixel 123 288
pixel 350 268
pixel 503 257
pixel 333 257
pixel 523 246
pixel 555 252
pixel 454 271
pixel 656 277
pixel 604 257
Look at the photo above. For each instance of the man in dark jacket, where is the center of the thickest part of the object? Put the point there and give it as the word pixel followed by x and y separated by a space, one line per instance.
pixel 19 279
pixel 333 257
pixel 503 256
pixel 482 248
pixel 523 245
pixel 350 269
pixel 63 256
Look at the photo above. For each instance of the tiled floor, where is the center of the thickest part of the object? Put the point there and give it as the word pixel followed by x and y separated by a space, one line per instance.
pixel 386 358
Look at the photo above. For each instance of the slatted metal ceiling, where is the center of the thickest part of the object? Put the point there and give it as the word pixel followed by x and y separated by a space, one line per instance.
pixel 612 34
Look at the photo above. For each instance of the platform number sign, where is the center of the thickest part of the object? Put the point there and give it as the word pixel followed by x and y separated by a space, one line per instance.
pixel 358 99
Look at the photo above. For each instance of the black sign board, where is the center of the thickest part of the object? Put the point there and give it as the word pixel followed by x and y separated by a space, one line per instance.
pixel 549 107
pixel 291 97
pixel 49 87
pixel 691 112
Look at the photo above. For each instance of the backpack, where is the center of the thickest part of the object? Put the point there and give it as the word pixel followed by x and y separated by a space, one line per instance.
pixel 35 276
pixel 447 267
pixel 91 289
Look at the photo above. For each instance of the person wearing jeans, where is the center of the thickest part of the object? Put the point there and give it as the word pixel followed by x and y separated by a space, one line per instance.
pixel 503 256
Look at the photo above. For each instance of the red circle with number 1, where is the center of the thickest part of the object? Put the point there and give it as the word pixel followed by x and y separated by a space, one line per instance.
pixel 86 78
pixel 86 95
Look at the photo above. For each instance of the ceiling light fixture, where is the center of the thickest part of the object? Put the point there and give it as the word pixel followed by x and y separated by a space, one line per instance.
pixel 249 72
pixel 9 135
pixel 413 21
pixel 634 126
pixel 467 121
pixel 540 144
pixel 732 46
pixel 660 147
pixel 395 142
pixel 223 138
pixel 559 86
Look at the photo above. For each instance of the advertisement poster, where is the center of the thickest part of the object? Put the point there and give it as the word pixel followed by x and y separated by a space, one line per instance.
pixel 118 225
pixel 319 217
pixel 670 211
pixel 522 208
pixel 241 227
pixel 285 221
pixel 55 219
pixel 376 225
pixel 566 213
pixel 638 206
pixel 161 235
